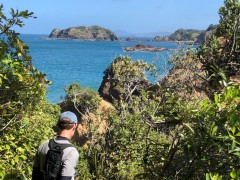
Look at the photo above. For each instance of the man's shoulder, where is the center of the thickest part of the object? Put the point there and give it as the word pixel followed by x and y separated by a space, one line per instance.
pixel 72 150
pixel 44 144
pixel 69 149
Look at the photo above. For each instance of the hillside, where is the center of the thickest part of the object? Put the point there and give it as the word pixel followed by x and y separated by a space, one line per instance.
pixel 196 36
pixel 181 35
pixel 205 34
pixel 84 33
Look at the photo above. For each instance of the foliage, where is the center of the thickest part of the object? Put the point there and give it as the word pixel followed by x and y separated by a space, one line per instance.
pixel 21 85
pixel 81 100
pixel 225 130
pixel 165 137
pixel 186 75
pixel 125 77
pixel 19 142
pixel 203 37
pixel 185 35
pixel 220 56
pixel 26 118
pixel 154 132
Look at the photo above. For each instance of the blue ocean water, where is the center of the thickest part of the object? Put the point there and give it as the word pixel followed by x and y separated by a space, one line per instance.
pixel 67 61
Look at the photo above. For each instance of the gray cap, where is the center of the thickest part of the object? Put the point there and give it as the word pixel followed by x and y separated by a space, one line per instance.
pixel 70 115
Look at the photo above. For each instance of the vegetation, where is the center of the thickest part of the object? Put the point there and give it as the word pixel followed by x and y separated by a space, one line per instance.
pixel 125 77
pixel 26 118
pixel 202 38
pixel 84 33
pixel 159 134
pixel 154 131
pixel 80 100
pixel 182 35
pixel 196 36
pixel 185 35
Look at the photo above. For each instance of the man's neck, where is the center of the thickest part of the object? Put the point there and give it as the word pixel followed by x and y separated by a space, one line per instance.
pixel 66 134
pixel 62 138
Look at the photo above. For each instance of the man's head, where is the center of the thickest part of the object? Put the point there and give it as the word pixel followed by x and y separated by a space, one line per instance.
pixel 67 120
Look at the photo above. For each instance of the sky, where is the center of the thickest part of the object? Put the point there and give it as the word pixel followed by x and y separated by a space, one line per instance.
pixel 132 16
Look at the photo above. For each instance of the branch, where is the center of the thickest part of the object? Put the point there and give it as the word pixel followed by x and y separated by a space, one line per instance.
pixel 75 106
pixel 7 124
pixel 173 150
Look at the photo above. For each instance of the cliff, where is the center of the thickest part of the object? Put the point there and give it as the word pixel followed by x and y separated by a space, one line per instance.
pixel 84 33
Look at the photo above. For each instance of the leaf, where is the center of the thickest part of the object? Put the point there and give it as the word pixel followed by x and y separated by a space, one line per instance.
pixel 233 174
pixel 21 150
pixel 233 129
pixel 188 126
pixel 213 129
pixel 216 98
pixel 238 134
pixel 20 78
pixel 23 157
pixel 207 176
pixel 7 147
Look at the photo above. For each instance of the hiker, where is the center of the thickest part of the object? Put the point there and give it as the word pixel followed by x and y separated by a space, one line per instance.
pixel 46 164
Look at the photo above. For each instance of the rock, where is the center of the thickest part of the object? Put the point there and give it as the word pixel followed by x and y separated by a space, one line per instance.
pixel 84 33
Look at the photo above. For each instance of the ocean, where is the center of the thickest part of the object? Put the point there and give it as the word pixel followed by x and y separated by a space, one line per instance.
pixel 68 61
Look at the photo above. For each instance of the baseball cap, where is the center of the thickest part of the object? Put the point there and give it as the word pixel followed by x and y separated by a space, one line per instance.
pixel 70 115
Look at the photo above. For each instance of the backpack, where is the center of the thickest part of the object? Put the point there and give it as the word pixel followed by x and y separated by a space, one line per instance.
pixel 53 163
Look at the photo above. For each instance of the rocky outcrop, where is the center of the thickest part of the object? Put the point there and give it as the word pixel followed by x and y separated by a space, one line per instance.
pixel 54 33
pixel 141 47
pixel 121 78
pixel 84 33
pixel 161 38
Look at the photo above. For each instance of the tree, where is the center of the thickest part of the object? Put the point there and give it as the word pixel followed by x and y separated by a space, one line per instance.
pixel 220 55
pixel 26 118
pixel 22 86
pixel 125 77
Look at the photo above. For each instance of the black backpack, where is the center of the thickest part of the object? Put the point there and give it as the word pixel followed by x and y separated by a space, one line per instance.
pixel 53 163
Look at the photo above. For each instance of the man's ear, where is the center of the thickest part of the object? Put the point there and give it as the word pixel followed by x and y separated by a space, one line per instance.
pixel 75 127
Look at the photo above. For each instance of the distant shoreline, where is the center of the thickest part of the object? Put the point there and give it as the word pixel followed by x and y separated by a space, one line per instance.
pixel 139 39
pixel 121 39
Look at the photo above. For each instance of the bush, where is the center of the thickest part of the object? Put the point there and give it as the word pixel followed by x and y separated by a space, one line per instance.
pixel 26 118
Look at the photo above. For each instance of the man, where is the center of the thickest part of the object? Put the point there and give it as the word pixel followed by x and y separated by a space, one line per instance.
pixel 67 125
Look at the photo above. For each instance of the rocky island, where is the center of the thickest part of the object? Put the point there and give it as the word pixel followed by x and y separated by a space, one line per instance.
pixel 142 47
pixel 84 33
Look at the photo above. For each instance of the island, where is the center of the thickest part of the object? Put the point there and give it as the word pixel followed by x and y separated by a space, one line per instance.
pixel 188 36
pixel 142 47
pixel 84 33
